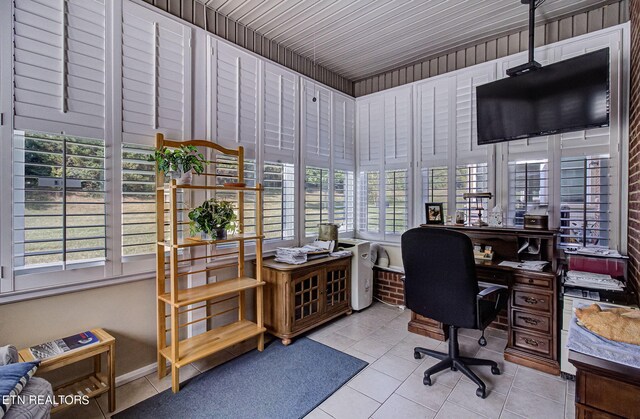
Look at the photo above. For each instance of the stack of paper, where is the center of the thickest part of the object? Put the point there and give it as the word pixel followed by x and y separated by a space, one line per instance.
pixel 298 255
pixel 529 265
pixel 591 280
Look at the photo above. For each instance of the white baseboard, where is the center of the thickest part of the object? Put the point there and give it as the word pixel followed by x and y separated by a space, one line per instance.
pixel 135 374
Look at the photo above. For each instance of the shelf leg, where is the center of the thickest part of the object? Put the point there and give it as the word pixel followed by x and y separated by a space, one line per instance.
pixel 162 366
pixel 175 378
pixel 111 368
pixel 261 342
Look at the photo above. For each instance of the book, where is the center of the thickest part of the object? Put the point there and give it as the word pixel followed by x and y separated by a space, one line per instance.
pixel 60 346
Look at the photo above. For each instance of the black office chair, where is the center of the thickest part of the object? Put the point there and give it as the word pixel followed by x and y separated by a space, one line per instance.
pixel 440 283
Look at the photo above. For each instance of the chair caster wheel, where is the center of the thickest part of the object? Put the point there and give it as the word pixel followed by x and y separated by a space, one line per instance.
pixel 482 341
pixel 495 370
pixel 417 355
pixel 480 392
pixel 426 381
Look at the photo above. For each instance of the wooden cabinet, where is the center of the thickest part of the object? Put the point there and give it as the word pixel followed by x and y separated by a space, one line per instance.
pixel 605 389
pixel 301 297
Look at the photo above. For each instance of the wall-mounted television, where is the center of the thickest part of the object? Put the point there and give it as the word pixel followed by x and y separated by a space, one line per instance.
pixel 569 95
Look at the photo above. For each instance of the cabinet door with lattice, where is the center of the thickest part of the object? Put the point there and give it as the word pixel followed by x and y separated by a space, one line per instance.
pixel 307 302
pixel 338 286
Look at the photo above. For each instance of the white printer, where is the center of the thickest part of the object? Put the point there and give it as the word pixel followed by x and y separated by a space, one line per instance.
pixel 361 272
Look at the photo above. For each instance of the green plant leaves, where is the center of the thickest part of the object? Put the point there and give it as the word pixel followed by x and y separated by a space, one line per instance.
pixel 212 215
pixel 185 159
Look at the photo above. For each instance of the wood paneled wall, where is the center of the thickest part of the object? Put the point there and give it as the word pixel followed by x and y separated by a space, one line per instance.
pixel 578 24
pixel 634 148
pixel 197 14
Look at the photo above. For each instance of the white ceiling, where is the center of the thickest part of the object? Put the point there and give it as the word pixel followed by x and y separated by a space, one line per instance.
pixel 358 38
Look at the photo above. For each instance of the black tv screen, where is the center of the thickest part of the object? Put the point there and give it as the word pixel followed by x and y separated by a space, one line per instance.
pixel 569 95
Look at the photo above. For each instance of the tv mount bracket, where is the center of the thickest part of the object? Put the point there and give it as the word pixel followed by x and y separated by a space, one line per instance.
pixel 531 64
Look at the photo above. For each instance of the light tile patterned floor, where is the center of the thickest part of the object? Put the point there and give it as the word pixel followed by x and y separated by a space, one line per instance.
pixel 391 385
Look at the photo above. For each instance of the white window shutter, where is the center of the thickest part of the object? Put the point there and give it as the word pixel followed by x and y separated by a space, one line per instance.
pixel 156 76
pixel 316 126
pixel 433 120
pixel 597 140
pixel 343 130
pixel 236 98
pixel 280 92
pixel 59 72
pixel 370 130
pixel 466 107
pixel 397 126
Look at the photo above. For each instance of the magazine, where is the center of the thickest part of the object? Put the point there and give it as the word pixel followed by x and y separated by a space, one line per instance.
pixel 60 346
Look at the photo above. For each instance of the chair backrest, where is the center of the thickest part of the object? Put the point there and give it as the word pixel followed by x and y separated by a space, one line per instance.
pixel 440 275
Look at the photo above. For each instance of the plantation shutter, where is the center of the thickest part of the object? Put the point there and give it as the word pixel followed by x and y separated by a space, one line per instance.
pixel 370 130
pixel 596 139
pixel 316 126
pixel 280 92
pixel 236 99
pixel 467 147
pixel 343 131
pixel 397 126
pixel 156 76
pixel 59 72
pixel 432 134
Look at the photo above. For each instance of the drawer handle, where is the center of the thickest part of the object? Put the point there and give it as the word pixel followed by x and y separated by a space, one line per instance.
pixel 530 281
pixel 530 320
pixel 531 342
pixel 531 300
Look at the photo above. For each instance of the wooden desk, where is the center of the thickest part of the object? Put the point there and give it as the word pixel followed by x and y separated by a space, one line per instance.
pixel 532 313
pixel 301 297
pixel 91 385
pixel 605 389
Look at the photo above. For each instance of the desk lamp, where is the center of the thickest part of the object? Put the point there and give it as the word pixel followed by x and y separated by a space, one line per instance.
pixel 478 196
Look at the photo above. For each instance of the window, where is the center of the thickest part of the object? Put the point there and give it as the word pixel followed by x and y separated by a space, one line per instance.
pixel 435 183
pixel 343 196
pixel 138 201
pixel 279 201
pixel 471 178
pixel 369 219
pixel 226 170
pixel 316 199
pixel 396 206
pixel 528 189
pixel 585 201
pixel 58 202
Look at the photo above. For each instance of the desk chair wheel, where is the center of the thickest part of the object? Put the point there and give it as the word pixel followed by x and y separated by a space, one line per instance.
pixel 482 341
pixel 417 355
pixel 480 392
pixel 495 370
pixel 426 381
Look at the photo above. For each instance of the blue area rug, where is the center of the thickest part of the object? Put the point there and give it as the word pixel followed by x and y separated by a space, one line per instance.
pixel 280 382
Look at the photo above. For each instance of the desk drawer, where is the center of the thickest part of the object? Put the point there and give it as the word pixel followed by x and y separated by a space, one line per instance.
pixel 534 281
pixel 531 300
pixel 532 343
pixel 535 322
pixel 493 276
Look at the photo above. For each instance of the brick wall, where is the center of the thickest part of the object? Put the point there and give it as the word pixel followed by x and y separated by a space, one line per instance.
pixel 634 147
pixel 388 287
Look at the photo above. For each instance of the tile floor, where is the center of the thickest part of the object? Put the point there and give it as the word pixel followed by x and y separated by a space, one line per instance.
pixel 391 385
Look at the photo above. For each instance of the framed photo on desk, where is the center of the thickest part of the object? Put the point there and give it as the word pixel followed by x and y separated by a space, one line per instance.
pixel 434 212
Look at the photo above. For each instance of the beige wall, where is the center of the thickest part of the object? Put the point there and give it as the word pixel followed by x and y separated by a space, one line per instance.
pixel 127 311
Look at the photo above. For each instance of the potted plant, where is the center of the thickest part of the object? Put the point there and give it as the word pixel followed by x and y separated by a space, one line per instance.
pixel 213 218
pixel 180 162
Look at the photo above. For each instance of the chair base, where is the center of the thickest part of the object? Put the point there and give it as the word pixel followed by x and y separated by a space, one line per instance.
pixel 455 362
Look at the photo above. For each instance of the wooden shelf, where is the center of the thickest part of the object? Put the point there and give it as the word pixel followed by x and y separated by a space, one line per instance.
pixel 214 340
pixel 207 292
pixel 91 386
pixel 192 241
pixel 214 188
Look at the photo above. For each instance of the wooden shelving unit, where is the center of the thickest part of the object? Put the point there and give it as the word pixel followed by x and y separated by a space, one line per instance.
pixel 174 299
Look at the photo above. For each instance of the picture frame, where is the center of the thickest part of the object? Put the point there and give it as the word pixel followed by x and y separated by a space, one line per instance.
pixel 435 213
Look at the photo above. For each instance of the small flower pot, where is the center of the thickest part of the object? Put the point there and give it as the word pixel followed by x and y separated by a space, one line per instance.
pixel 220 233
